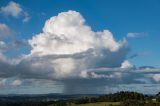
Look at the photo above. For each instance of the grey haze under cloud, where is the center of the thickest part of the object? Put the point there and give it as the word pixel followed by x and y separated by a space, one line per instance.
pixel 69 52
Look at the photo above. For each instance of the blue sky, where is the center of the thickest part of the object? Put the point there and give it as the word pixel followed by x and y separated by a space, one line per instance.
pixel 137 21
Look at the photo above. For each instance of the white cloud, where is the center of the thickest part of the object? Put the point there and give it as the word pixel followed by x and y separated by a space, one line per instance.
pixel 126 64
pixel 15 10
pixel 16 82
pixel 12 9
pixel 68 34
pixel 156 77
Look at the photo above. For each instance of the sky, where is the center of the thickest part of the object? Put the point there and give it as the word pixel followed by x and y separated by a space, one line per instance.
pixel 79 46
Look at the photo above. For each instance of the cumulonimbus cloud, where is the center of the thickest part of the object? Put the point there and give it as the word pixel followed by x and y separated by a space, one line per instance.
pixel 67 36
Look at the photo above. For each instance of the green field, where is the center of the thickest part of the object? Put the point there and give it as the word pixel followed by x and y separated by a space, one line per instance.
pixel 97 104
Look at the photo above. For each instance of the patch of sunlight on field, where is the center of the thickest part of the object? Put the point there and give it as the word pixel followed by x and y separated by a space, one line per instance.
pixel 98 104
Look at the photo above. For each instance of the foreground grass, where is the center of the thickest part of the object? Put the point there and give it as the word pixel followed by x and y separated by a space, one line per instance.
pixel 97 104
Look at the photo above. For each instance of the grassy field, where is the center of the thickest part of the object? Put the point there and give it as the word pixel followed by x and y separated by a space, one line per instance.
pixel 98 104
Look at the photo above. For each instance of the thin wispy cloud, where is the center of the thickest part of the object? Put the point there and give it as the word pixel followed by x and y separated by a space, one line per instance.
pixel 136 34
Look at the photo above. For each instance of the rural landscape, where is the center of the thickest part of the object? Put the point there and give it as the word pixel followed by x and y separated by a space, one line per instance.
pixel 79 53
pixel 122 98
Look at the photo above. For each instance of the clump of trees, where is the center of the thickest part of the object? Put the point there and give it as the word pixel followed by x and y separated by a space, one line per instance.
pixel 122 96
pixel 116 97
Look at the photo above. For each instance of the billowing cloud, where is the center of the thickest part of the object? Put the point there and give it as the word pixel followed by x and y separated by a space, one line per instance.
pixel 15 10
pixel 76 46
pixel 126 64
